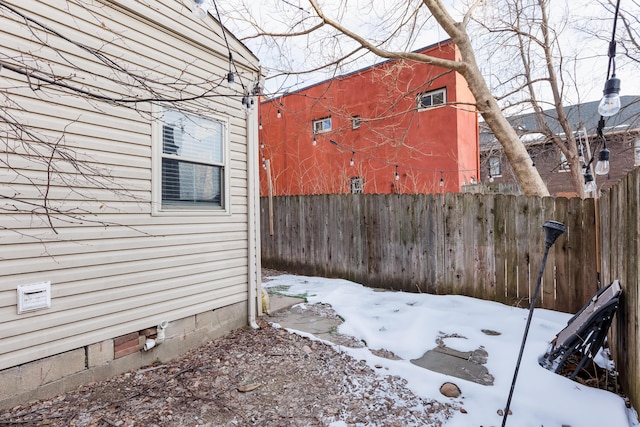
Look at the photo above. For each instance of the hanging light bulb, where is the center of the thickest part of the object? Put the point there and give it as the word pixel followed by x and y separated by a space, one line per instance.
pixel 279 113
pixel 602 167
pixel 441 182
pixel 397 175
pixel 351 162
pixel 610 103
pixel 199 8
pixel 262 145
pixel 260 125
pixel 314 140
pixel 580 153
pixel 589 183
pixel 490 178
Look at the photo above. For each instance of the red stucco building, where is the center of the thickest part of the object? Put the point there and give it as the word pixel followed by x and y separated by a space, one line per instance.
pixel 396 127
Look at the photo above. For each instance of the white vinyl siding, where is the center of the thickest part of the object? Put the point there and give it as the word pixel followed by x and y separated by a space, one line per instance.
pixel 114 267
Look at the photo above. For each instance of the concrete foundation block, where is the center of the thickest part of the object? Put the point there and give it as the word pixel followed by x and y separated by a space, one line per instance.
pixel 100 353
pixel 180 328
pixel 50 369
pixel 10 377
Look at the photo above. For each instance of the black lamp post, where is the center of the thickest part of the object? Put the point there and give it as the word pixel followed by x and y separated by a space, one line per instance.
pixel 552 230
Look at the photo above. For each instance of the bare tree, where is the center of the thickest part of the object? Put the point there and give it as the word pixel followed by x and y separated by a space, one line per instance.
pixel 323 31
pixel 539 71
pixel 65 183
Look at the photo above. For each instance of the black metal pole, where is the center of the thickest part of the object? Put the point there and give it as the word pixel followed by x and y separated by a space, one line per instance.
pixel 552 229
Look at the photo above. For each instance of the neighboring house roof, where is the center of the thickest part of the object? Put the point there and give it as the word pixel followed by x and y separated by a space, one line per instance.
pixel 580 116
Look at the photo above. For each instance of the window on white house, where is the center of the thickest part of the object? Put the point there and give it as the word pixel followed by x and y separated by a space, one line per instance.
pixel 494 167
pixel 193 162
pixel 564 164
pixel 355 122
pixel 636 147
pixel 322 125
pixel 432 99
pixel 357 185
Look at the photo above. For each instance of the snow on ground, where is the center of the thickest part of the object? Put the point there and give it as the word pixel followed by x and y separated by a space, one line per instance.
pixel 408 325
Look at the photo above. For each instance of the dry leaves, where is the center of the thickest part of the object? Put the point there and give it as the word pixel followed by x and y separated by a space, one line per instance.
pixel 265 377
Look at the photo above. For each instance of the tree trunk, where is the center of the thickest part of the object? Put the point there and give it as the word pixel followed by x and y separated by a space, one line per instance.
pixel 517 155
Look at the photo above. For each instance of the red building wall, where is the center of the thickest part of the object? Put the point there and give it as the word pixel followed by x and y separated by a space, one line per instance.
pixel 432 150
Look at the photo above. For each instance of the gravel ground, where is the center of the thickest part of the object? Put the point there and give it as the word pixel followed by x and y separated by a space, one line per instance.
pixel 263 377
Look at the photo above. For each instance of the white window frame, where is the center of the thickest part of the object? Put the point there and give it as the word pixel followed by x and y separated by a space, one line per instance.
pixel 322 125
pixel 355 122
pixel 430 97
pixel 564 163
pixel 636 152
pixel 356 185
pixel 189 209
pixel 495 166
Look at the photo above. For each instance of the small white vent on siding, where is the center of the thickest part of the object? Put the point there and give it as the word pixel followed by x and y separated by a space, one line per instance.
pixel 35 296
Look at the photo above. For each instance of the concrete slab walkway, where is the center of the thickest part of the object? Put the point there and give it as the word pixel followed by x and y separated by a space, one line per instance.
pixel 464 365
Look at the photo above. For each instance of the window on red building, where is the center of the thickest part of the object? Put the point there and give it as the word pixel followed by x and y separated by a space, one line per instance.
pixel 356 185
pixel 432 99
pixel 322 125
pixel 355 122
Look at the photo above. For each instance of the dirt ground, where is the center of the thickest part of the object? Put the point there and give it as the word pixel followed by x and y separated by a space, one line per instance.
pixel 263 377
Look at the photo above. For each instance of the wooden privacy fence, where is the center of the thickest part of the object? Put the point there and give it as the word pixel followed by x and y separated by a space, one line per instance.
pixel 619 210
pixel 485 246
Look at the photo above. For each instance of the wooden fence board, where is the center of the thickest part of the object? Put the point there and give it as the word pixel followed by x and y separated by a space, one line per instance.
pixel 470 247
pixel 548 290
pixel 536 247
pixel 484 271
pixel 589 253
pixel 500 238
pixel 560 248
pixel 454 261
pixel 440 249
pixel 511 252
pixel 522 254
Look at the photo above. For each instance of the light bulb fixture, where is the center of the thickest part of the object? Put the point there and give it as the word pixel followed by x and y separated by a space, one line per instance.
pixel 490 178
pixel 602 167
pixel 199 8
pixel 351 162
pixel 580 153
pixel 314 140
pixel 231 78
pixel 260 125
pixel 610 103
pixel 279 114
pixel 589 183
pixel 441 182
pixel 262 145
pixel 397 175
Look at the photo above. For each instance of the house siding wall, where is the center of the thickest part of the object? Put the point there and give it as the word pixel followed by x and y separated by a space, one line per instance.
pixel 115 268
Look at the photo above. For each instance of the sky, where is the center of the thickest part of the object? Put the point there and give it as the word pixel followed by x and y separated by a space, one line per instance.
pixel 375 18
pixel 408 325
